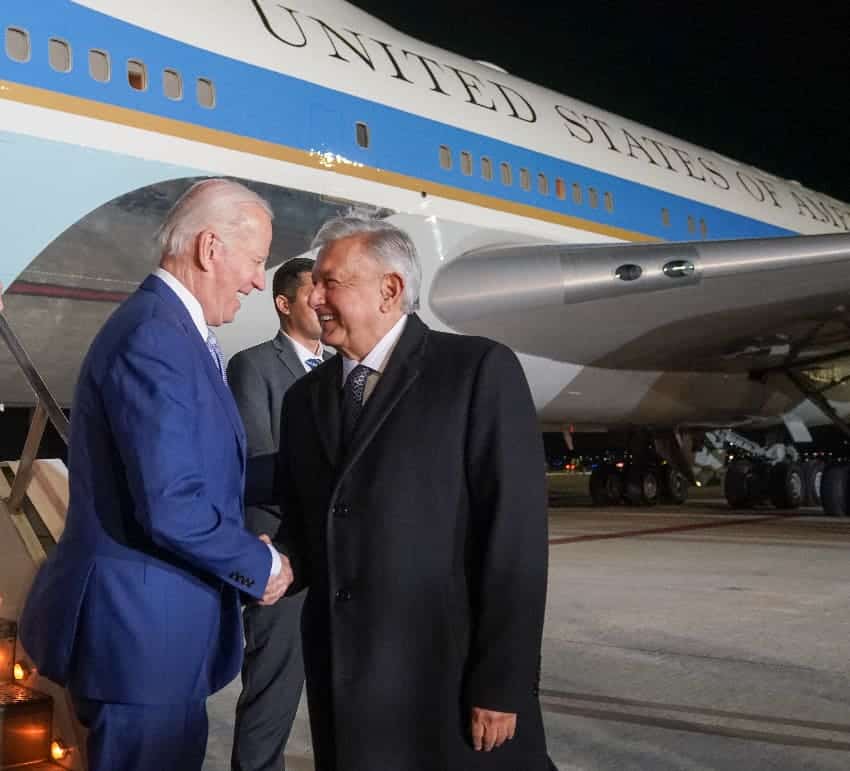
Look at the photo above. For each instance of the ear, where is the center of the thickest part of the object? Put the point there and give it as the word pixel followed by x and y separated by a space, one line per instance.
pixel 392 288
pixel 205 249
pixel 282 305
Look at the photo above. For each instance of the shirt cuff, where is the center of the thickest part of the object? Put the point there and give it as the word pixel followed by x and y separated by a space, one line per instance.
pixel 275 561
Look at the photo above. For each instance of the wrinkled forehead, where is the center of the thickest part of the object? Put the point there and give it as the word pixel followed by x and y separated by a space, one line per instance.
pixel 349 256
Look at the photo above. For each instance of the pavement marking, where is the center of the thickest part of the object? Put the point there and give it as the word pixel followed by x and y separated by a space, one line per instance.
pixel 667 529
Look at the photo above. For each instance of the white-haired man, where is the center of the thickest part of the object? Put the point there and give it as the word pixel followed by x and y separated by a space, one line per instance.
pixel 137 608
pixel 410 470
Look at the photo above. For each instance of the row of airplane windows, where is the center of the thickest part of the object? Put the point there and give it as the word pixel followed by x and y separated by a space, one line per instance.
pixel 506 175
pixel 60 57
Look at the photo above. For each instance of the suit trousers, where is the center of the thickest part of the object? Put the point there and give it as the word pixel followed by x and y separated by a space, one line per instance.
pixel 272 675
pixel 142 737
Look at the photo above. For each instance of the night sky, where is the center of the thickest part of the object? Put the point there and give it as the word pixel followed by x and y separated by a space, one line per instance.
pixel 766 86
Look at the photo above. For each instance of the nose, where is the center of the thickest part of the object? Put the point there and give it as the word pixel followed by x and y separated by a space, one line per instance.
pixel 317 297
pixel 260 278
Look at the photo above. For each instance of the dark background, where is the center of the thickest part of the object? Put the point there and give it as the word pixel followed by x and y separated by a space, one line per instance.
pixel 765 85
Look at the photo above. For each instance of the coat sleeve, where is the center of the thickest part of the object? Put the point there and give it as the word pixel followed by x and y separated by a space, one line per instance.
pixel 149 396
pixel 251 392
pixel 508 536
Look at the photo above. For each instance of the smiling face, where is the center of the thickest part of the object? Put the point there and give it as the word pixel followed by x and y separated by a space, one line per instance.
pixel 356 301
pixel 235 263
pixel 299 320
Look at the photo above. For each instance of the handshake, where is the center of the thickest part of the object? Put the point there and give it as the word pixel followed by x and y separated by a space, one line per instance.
pixel 278 584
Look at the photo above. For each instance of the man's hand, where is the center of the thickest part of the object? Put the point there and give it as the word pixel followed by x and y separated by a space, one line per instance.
pixel 277 585
pixel 491 729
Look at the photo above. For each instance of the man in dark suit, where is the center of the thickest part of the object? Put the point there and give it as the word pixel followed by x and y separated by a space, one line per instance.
pixel 411 474
pixel 137 608
pixel 273 670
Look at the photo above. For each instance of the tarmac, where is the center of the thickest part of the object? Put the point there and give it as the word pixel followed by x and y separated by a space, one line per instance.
pixel 680 638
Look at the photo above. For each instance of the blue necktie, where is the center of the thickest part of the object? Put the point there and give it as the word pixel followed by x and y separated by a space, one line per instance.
pixel 215 351
pixel 312 363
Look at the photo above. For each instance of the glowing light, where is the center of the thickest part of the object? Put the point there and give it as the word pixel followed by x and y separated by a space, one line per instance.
pixel 21 671
pixel 58 751
pixel 620 464
pixel 699 484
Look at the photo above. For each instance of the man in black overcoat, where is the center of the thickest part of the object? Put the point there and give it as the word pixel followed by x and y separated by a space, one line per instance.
pixel 411 474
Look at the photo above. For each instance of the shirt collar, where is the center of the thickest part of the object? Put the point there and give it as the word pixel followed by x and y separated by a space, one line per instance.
pixel 187 298
pixel 378 357
pixel 304 353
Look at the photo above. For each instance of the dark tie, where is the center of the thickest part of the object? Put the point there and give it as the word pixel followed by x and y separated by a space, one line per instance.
pixel 215 352
pixel 352 399
pixel 312 363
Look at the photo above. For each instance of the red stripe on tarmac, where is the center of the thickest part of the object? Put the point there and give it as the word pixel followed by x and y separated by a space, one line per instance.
pixel 66 292
pixel 671 529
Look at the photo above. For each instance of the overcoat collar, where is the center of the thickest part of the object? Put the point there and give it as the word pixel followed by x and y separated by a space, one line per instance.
pixel 165 293
pixel 401 372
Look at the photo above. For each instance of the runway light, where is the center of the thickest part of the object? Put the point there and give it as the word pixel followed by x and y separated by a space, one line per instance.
pixel 21 670
pixel 58 751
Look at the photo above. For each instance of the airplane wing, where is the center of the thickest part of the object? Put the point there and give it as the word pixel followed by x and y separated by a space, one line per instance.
pixel 721 306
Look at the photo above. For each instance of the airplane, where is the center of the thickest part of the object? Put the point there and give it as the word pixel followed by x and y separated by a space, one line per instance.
pixel 645 283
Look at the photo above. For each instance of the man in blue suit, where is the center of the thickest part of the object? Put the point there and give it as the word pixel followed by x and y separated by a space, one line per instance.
pixel 137 608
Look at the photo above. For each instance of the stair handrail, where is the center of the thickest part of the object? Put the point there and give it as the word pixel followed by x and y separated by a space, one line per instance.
pixel 47 408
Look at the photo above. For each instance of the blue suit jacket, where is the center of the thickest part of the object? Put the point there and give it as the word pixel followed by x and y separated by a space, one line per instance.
pixel 139 602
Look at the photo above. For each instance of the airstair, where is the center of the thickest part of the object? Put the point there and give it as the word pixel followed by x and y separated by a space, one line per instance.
pixel 38 730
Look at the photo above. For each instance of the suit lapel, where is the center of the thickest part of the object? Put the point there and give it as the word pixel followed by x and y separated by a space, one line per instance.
pixel 326 407
pixel 286 353
pixel 164 292
pixel 400 374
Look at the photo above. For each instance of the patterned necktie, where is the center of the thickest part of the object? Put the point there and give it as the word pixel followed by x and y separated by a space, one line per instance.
pixel 312 363
pixel 215 352
pixel 352 399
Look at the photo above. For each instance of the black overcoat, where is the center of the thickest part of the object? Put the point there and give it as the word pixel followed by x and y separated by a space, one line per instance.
pixel 425 549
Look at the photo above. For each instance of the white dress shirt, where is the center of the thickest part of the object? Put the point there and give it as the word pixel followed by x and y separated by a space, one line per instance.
pixel 376 359
pixel 197 313
pixel 305 353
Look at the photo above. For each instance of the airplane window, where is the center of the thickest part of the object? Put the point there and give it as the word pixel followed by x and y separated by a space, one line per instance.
pixel 466 163
pixel 703 228
pixel 609 202
pixel 542 184
pixel 593 197
pixel 692 226
pixel 560 188
pixel 59 55
pixel 361 131
pixel 17 44
pixel 487 169
pixel 445 157
pixel 172 84
pixel 205 92
pixel 137 75
pixel 576 193
pixel 665 217
pixel 524 179
pixel 507 176
pixel 99 65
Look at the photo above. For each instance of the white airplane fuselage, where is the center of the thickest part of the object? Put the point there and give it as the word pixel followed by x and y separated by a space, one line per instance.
pixel 101 98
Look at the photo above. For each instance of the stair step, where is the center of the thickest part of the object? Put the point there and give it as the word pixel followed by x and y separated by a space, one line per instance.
pixel 26 723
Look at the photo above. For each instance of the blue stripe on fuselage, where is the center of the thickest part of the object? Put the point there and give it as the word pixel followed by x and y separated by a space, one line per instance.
pixel 261 104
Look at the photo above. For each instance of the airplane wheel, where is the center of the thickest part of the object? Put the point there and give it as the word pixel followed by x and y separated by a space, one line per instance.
pixel 606 486
pixel 740 484
pixel 834 489
pixel 787 486
pixel 813 473
pixel 641 487
pixel 674 486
